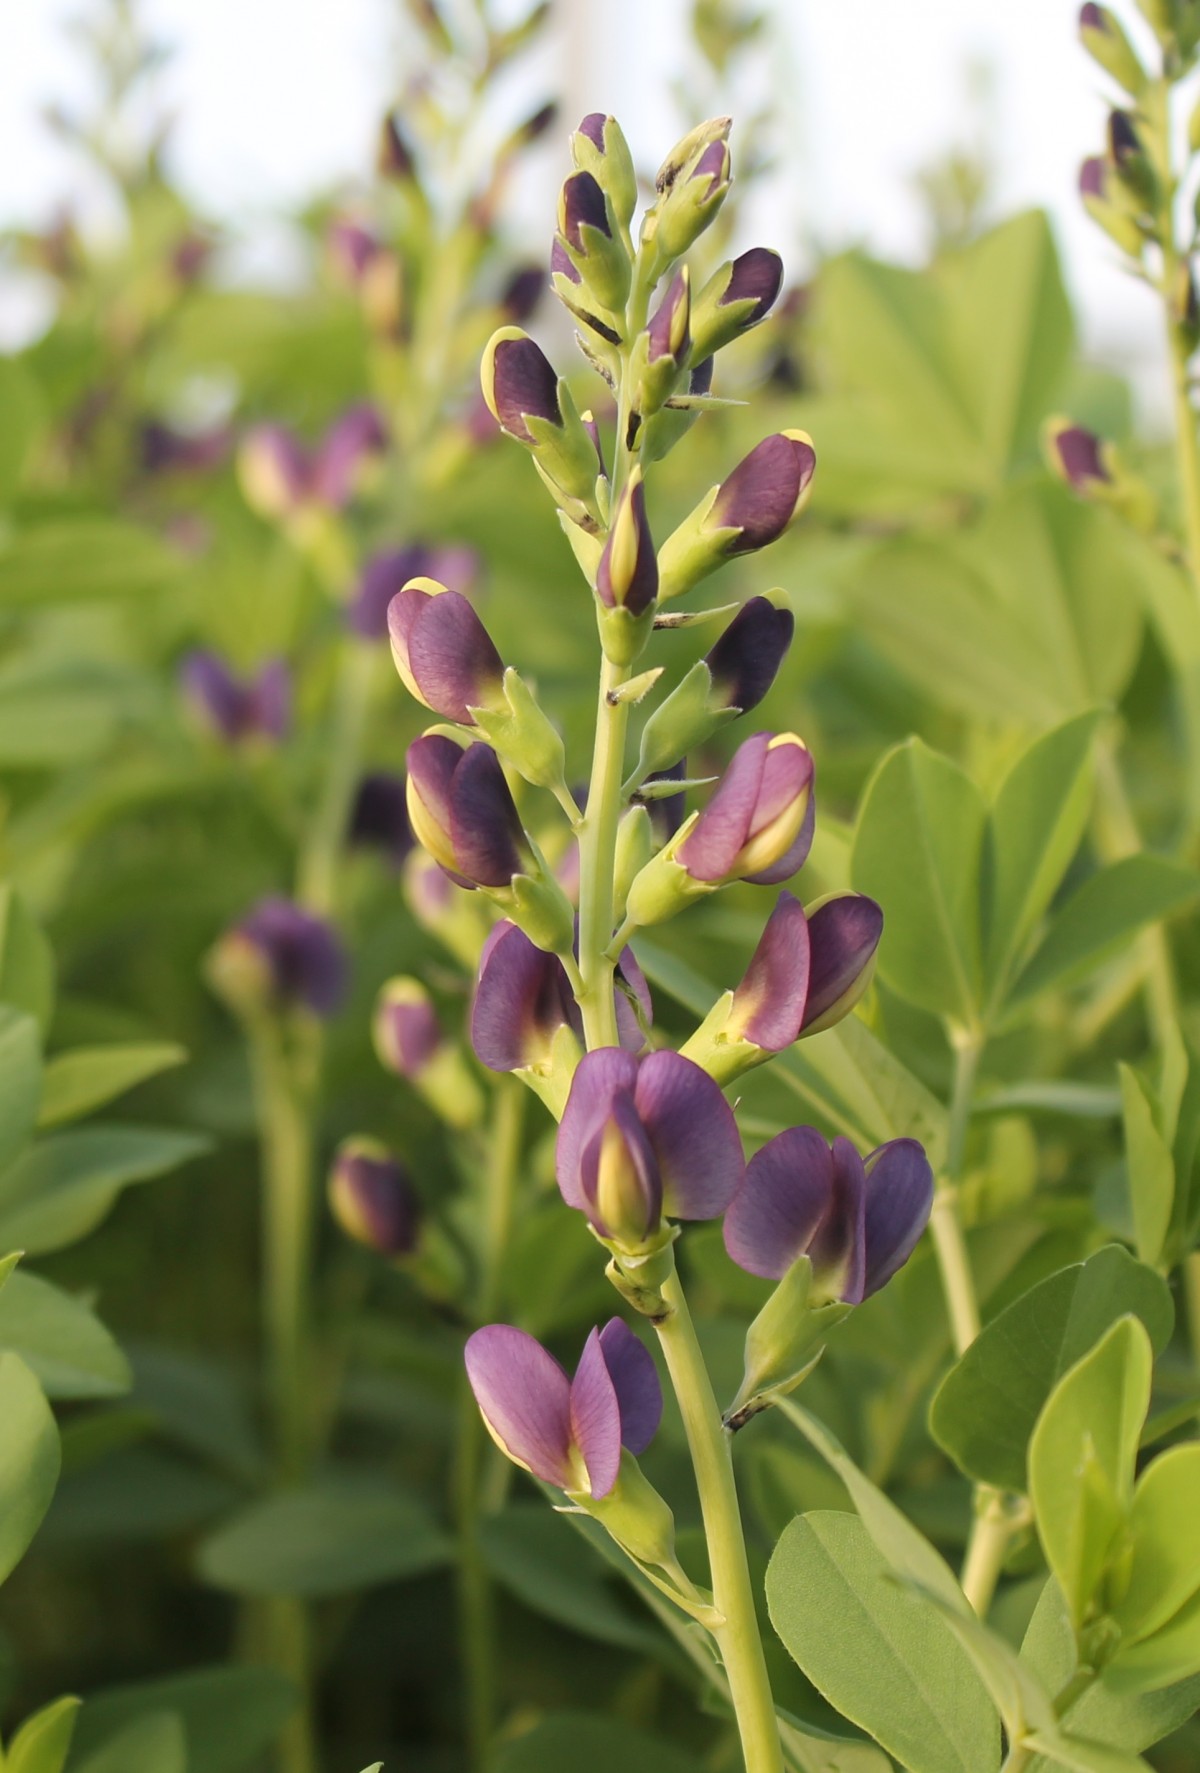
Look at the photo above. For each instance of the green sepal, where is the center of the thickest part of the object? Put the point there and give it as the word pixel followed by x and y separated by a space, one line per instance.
pixel 550 1078
pixel 587 545
pixel 687 718
pixel 524 735
pixel 724 1059
pixel 784 1343
pixel 1120 227
pixel 623 636
pixel 693 550
pixel 565 452
pixel 662 888
pixel 541 908
pixel 604 264
pixel 612 168
pixel 640 1275
pixel 634 1515
pixel 635 846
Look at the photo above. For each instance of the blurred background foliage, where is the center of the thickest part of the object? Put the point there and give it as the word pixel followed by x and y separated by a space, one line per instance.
pixel 945 585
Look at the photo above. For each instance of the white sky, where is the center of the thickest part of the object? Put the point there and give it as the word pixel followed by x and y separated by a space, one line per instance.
pixel 277 98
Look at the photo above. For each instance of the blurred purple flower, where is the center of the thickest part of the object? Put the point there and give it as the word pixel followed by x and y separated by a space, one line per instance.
pixel 372 1198
pixel 379 816
pixel 745 659
pixel 235 708
pixel 452 564
pixel 280 477
pixel 406 1028
pixel 301 955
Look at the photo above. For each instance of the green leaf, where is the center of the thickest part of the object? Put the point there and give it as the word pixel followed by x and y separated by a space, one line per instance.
pixel 1086 1757
pixel 29 1459
pixel 883 1656
pixel 529 1549
pixel 154 1744
pixel 64 1344
pixel 907 1551
pixel 79 1081
pixel 20 1081
pixel 1081 1457
pixel 1104 912
pixel 1150 1165
pixel 331 1538
pixel 1159 1612
pixel 588 1743
pixel 920 806
pixel 985 1409
pixel 82 560
pixel 65 1185
pixel 21 415
pixel 43 1742
pixel 230 1715
pixel 1037 820
pixel 26 960
pixel 1018 1696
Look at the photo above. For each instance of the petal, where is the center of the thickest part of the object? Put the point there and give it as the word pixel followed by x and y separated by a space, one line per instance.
pixel 844 933
pixel 357 434
pixel 745 659
pixel 620 1175
pixel 899 1199
pixel 635 1378
pixel 215 694
pixel 597 1080
pixel 596 1418
pixel 756 276
pixel 781 1203
pixel 382 578
pixel 451 656
pixel 630 989
pixel 839 1245
pixel 525 1398
pixel 712 845
pixel 582 206
pixel 521 998
pixel 694 1135
pixel 524 383
pixel 759 498
pixel 796 854
pixel 769 1004
pixel 484 827
pixel 271 699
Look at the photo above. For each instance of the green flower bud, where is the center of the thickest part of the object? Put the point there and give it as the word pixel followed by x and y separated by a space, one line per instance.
pixel 541 908
pixel 784 1343
pixel 524 735
pixel 663 887
pixel 599 147
pixel 535 406
pixel 689 203
pixel 593 242
pixel 1105 41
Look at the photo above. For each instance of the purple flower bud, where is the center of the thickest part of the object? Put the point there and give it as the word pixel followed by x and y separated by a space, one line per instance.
pixel 394 158
pixel 522 293
pixel 745 659
pixel 1077 454
pixel 560 263
pixel 301 956
pixel 843 934
pixel 352 248
pixel 857 1223
pixel 443 652
pixel 713 167
pixel 542 120
pixel 234 708
pixel 523 997
pixel 379 816
pixel 167 451
pixel 1124 143
pixel 346 452
pixel 806 973
pixel 274 469
pixel 755 276
pixel 567 1432
pixel 1091 18
pixel 627 577
pixel 581 205
pixel 373 1199
pixel 668 327
pixel 593 128
pixel 765 491
pixel 519 383
pixel 758 824
pixel 460 808
pixel 1092 177
pixel 451 563
pixel 405 1028
pixel 700 380
pixel 641 1138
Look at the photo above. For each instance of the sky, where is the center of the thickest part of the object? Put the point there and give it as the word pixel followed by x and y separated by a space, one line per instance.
pixel 278 98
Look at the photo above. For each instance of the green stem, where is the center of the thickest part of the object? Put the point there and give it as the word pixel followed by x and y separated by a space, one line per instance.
pixel 316 879
pixel 597 854
pixel 738 1637
pixel 950 1247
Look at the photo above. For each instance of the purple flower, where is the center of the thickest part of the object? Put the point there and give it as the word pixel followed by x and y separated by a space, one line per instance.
pixel 167 451
pixel 452 564
pixel 352 248
pixel 1077 454
pixel 236 708
pixel 280 477
pixel 461 809
pixel 372 1198
pixel 568 1432
pixel 1124 143
pixel 641 1138
pixel 807 971
pixel 406 1029
pixel 560 263
pixel 344 455
pixel 667 811
pixel 765 491
pixel 522 293
pixel 745 659
pixel 758 824
pixel 274 469
pixel 379 816
pixel 713 167
pixel 593 128
pixel 443 652
pixel 523 997
pixel 668 327
pixel 519 383
pixel 300 957
pixel 858 1223
pixel 627 577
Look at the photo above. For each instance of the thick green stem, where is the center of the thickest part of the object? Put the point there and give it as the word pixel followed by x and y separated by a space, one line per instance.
pixel 738 1637
pixel 597 853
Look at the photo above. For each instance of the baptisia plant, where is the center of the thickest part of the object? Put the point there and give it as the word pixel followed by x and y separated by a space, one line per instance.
pixel 647 1140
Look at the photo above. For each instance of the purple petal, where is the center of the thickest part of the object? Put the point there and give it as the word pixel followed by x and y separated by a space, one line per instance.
pixel 899 1199
pixel 760 497
pixel 1092 176
pixel 560 263
pixel 755 276
pixel 521 999
pixel 450 653
pixel 525 1398
pixel 357 435
pixel 620 1175
pixel 666 331
pixel 711 847
pixel 1079 457
pixel 384 575
pixel 844 934
pixel 373 1200
pixel 522 293
pixel 712 165
pixel 628 572
pixel 351 247
pixel 694 1135
pixel 599 1077
pixel 629 1026
pixel 305 957
pixel 781 1203
pixel 769 1004
pixel 794 856
pixel 379 816
pixel 593 128
pixel 485 829
pixel 432 761
pixel 216 696
pixel 839 1245
pixel 596 1418
pixel 700 380
pixel 745 659
pixel 523 385
pixel 271 700
pixel 406 1028
pixel 582 205
pixel 635 1380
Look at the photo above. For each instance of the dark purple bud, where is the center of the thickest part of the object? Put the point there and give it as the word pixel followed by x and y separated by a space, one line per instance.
pixel 443 652
pixel 700 381
pixel 627 577
pixel 379 816
pixel 566 1432
pixel 641 1134
pixel 1091 18
pixel 768 1006
pixel 1092 176
pixel 560 263
pixel 373 1199
pixel 843 935
pixel 667 812
pixel 765 491
pixel 593 128
pixel 522 998
pixel 460 808
pixel 745 659
pixel 756 276
pixel 668 327
pixel 1124 143
pixel 406 1028
pixel 394 158
pixel 522 293
pixel 712 167
pixel 1077 455
pixel 858 1224
pixel 519 383
pixel 758 825
pixel 301 955
pixel 543 119
pixel 582 205
pixel 235 708
pixel 349 446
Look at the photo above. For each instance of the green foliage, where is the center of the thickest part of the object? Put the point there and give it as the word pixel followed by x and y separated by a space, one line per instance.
pixel 29 1459
pixel 593 1745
